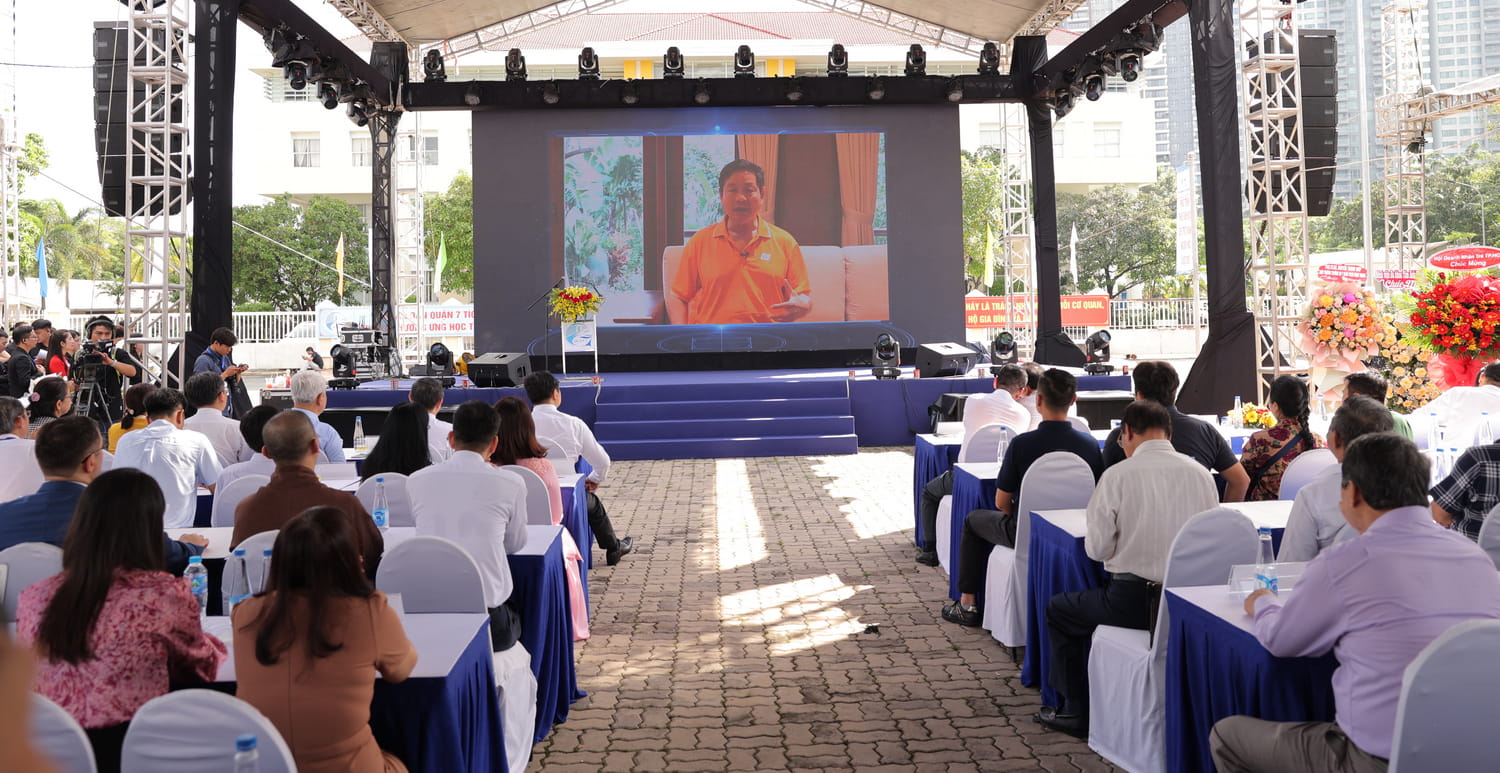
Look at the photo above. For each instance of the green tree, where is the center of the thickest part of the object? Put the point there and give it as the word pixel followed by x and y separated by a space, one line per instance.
pixel 32 161
pixel 1125 238
pixel 984 176
pixel 79 245
pixel 266 272
pixel 449 219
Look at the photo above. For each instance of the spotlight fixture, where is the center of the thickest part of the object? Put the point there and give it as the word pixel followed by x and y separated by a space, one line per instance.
pixel 989 59
pixel 1093 86
pixel 885 355
pixel 838 62
pixel 358 112
pixel 343 361
pixel 1096 351
pixel 439 360
pixel 701 94
pixel 744 62
pixel 433 70
pixel 628 93
pixel 515 65
pixel 471 95
pixel 296 74
pixel 588 65
pixel 876 91
pixel 671 63
pixel 1130 66
pixel 1063 104
pixel 1417 145
pixel 795 92
pixel 1003 351
pixel 955 90
pixel 328 94
pixel 916 60
pixel 286 46
pixel 550 94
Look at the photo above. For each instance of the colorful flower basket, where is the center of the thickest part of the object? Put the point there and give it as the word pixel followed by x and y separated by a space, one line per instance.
pixel 1411 385
pixel 1254 416
pixel 1456 317
pixel 1341 326
pixel 574 303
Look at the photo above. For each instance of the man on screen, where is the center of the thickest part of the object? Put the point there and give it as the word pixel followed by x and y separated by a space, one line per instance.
pixel 742 270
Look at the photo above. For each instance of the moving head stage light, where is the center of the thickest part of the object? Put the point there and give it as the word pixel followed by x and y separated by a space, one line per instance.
pixel 886 357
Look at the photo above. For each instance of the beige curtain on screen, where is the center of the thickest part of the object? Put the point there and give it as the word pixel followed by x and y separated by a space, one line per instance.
pixel 761 149
pixel 859 156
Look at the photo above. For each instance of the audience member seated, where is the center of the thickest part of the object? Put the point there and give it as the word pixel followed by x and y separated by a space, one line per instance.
pixel 998 407
pixel 209 394
pixel 576 440
pixel 1157 381
pixel 310 398
pixel 252 425
pixel 402 446
pixel 984 529
pixel 17 671
pixel 1028 396
pixel 19 473
pixel 1133 516
pixel 50 400
pixel 292 444
pixel 1373 385
pixel 1472 488
pixel 1461 406
pixel 481 507
pixel 517 444
pixel 304 647
pixel 1315 521
pixel 113 630
pixel 1268 452
pixel 135 414
pixel 179 460
pixel 1375 601
pixel 428 393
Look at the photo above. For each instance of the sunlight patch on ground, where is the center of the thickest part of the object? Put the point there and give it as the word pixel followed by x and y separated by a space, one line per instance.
pixel 797 615
pixel 739 532
pixel 878 487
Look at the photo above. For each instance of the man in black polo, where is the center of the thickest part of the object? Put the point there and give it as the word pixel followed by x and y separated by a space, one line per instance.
pixel 1157 381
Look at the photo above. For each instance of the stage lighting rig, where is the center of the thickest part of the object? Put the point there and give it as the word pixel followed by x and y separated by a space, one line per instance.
pixel 588 64
pixel 358 112
pixel 1062 104
pixel 916 61
pixel 886 357
pixel 744 62
pixel 955 90
pixel 440 362
pixel 701 94
pixel 1003 351
pixel 876 91
pixel 1132 45
pixel 328 94
pixel 433 70
pixel 671 63
pixel 1096 352
pixel 1130 66
pixel 989 59
pixel 296 74
pixel 838 61
pixel 515 65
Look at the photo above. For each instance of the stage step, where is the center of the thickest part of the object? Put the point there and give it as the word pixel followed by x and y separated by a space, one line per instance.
pixel 760 389
pixel 696 429
pixel 722 409
pixel 725 448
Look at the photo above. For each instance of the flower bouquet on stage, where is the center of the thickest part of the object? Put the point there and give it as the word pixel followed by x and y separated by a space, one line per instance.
pixel 1455 316
pixel 576 307
pixel 1341 327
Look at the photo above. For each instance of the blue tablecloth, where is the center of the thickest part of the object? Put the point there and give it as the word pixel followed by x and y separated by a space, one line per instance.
pixel 575 503
pixel 932 460
pixel 969 493
pixel 1056 564
pixel 444 724
pixel 1216 670
pixel 541 591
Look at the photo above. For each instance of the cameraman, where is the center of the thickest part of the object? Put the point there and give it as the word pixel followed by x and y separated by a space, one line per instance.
pixel 98 360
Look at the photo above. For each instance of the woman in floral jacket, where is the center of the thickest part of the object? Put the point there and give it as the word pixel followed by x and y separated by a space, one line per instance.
pixel 1288 402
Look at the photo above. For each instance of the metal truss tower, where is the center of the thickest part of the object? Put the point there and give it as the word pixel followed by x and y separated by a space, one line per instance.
pixel 1272 106
pixel 10 182
pixel 411 263
pixel 1014 212
pixel 1403 133
pixel 157 181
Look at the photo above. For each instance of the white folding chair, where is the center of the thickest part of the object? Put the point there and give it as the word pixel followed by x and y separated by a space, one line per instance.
pixel 1127 667
pixel 256 565
pixel 395 496
pixel 337 470
pixel 107 463
pixel 516 685
pixel 25 564
pixel 229 498
pixel 538 501
pixel 1059 480
pixel 1080 423
pixel 1450 695
pixel 1302 470
pixel 985 444
pixel 557 456
pixel 945 533
pixel 1489 535
pixel 59 736
pixel 190 731
pixel 433 575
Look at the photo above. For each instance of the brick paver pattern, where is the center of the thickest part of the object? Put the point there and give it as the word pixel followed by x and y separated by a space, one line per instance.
pixel 772 618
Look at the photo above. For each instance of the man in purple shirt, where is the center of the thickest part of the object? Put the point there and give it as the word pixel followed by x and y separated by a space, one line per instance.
pixel 1376 601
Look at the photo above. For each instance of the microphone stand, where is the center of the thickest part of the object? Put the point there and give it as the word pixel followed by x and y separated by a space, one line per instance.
pixel 546 351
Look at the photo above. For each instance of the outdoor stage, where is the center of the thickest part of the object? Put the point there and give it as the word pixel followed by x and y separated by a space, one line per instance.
pixel 670 415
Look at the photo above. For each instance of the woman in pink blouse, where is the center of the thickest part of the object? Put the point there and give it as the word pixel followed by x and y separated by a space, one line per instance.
pixel 113 630
pixel 1263 456
pixel 518 445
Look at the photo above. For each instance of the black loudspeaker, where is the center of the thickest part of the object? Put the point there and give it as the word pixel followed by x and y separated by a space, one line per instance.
pixel 499 369
pixel 945 359
pixel 112 95
pixel 1317 55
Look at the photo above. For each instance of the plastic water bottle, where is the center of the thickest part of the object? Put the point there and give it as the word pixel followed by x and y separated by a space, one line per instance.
pixel 1485 433
pixel 236 580
pixel 382 511
pixel 1265 567
pixel 246 756
pixel 1432 431
pixel 359 433
pixel 1237 419
pixel 197 577
pixel 265 570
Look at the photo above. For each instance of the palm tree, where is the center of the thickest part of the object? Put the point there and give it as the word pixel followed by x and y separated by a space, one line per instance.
pixel 77 242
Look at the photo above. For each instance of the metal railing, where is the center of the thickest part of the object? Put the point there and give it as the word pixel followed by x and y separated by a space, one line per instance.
pixel 251 327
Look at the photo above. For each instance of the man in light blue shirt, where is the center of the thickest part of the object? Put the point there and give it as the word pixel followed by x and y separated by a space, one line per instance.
pixel 310 398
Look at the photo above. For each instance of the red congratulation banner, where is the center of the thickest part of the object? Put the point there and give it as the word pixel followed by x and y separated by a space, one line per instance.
pixel 984 311
pixel 1466 258
pixel 1342 272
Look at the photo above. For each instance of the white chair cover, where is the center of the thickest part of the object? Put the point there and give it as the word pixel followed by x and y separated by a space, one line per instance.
pixel 557 456
pixel 191 731
pixel 255 547
pixel 107 463
pixel 945 533
pixel 1059 480
pixel 1489 535
pixel 337 470
pixel 538 501
pixel 516 684
pixel 1449 698
pixel 433 575
pixel 229 498
pixel 25 564
pixel 984 444
pixel 1080 423
pixel 59 736
pixel 1302 470
pixel 395 495
pixel 1127 671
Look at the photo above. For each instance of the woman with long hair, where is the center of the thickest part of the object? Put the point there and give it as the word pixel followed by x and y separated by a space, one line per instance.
pixel 304 647
pixel 402 446
pixel 135 413
pixel 113 630
pixel 51 399
pixel 66 344
pixel 518 445
pixel 1268 452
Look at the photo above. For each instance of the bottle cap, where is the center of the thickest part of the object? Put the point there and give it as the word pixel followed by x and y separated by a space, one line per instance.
pixel 1265 530
pixel 380 480
pixel 266 552
pixel 239 551
pixel 195 559
pixel 244 743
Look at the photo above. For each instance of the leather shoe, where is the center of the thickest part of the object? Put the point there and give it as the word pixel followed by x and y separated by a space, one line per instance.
pixel 1072 724
pixel 963 615
pixel 612 557
pixel 928 557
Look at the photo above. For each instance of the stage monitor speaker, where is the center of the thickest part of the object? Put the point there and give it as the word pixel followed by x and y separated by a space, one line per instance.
pixel 499 369
pixel 945 359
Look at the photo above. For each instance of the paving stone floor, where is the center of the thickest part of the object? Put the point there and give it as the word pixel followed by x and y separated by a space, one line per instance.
pixel 736 638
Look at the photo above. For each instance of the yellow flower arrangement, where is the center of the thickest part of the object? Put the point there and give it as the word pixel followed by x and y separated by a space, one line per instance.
pixel 1411 387
pixel 1253 416
pixel 574 303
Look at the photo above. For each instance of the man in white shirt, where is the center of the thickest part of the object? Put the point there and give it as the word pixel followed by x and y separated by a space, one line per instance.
pixel 1316 521
pixel 1459 407
pixel 177 459
pixel 576 440
pixel 252 430
pixel 998 407
pixel 479 506
pixel 20 475
pixel 1133 516
pixel 428 393
pixel 310 397
pixel 208 393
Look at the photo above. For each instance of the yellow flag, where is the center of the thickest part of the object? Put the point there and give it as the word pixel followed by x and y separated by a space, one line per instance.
pixel 338 263
pixel 989 258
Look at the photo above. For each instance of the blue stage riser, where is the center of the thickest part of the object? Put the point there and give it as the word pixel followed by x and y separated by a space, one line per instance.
pixel 609 432
pixel 727 448
pixel 721 409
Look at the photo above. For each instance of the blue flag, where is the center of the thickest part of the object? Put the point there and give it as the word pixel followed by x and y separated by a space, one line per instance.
pixel 41 263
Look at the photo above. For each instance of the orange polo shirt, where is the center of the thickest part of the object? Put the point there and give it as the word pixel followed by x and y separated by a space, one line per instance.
pixel 723 285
